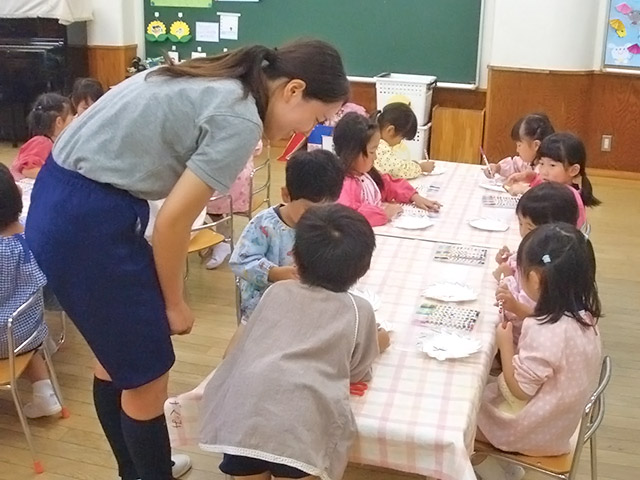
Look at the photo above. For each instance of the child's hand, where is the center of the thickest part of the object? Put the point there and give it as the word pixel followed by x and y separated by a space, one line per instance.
pixel 504 335
pixel 383 339
pixel 180 318
pixel 278 274
pixel 425 203
pixel 502 270
pixel 503 254
pixel 428 166
pixel 517 189
pixel 491 170
pixel 509 303
pixel 515 178
pixel 392 209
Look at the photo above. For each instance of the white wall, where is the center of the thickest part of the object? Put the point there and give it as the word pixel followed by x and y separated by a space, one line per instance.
pixel 545 34
pixel 115 22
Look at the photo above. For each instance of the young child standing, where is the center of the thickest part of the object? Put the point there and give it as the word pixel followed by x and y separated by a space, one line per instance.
pixel 264 252
pixel 377 197
pixel 20 279
pixel 535 406
pixel 547 203
pixel 50 115
pixel 267 418
pixel 527 133
pixel 86 92
pixel 397 122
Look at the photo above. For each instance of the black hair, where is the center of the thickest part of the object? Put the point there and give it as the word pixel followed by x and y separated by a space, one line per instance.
pixel 350 138
pixel 568 149
pixel 564 258
pixel 549 202
pixel 315 62
pixel 46 109
pixel 333 247
pixel 535 126
pixel 316 176
pixel 400 116
pixel 10 198
pixel 86 89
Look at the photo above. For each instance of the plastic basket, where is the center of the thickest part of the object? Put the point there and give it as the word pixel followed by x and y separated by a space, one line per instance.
pixel 417 88
pixel 418 145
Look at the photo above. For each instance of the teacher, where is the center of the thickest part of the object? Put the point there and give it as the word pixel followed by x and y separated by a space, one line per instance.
pixel 180 132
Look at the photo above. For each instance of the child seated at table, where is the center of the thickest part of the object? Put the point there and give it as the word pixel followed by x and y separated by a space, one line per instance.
pixel 278 404
pixel 528 133
pixel 547 203
pixel 263 254
pixel 397 122
pixel 20 279
pixel 377 197
pixel 50 115
pixel 535 405
pixel 86 92
pixel 563 159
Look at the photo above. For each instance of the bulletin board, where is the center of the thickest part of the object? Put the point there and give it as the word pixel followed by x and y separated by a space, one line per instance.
pixel 622 40
pixel 430 37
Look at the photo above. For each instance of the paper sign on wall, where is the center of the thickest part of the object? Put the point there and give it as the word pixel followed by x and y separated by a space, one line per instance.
pixel 229 25
pixel 207 32
pixel 182 3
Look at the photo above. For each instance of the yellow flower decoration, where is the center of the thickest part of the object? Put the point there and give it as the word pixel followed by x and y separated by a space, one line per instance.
pixel 156 31
pixel 179 32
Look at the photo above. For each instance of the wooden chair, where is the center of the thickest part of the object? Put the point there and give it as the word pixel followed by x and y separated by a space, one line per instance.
pixel 205 237
pixel 255 190
pixel 565 467
pixel 12 367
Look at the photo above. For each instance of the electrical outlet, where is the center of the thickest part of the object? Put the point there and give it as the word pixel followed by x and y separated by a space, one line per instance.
pixel 605 143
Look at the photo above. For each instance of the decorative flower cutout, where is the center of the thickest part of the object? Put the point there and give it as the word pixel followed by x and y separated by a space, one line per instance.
pixel 179 32
pixel 156 31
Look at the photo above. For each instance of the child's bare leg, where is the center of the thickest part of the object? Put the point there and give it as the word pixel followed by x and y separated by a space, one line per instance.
pixel 37 369
pixel 310 477
pixel 260 476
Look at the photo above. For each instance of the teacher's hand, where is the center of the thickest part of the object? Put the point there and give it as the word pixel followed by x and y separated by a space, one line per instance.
pixel 180 319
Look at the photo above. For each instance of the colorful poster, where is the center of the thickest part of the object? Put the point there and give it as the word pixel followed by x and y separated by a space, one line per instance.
pixel 182 3
pixel 622 41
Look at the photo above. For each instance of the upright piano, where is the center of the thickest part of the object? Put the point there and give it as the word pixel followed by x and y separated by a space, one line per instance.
pixel 37 55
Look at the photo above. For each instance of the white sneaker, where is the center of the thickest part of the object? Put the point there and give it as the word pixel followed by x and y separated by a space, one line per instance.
pixel 512 471
pixel 181 464
pixel 44 403
pixel 489 469
pixel 220 253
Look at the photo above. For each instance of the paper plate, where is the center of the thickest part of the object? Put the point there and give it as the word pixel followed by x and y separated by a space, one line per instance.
pixel 438 170
pixel 493 187
pixel 368 295
pixel 409 222
pixel 489 224
pixel 450 292
pixel 444 346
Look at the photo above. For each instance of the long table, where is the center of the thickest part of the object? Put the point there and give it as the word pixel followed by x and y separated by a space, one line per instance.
pixel 459 191
pixel 419 414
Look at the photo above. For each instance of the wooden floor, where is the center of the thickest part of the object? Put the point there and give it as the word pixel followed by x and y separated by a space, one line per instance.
pixel 76 449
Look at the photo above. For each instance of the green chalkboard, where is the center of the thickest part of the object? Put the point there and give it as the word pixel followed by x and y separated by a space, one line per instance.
pixel 432 37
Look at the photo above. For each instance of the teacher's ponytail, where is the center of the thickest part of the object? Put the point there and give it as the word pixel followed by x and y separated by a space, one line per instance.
pixel 315 62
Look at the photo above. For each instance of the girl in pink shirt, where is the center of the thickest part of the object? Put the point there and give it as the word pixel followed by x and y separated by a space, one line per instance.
pixel 535 405
pixel 528 133
pixel 377 197
pixel 547 203
pixel 50 115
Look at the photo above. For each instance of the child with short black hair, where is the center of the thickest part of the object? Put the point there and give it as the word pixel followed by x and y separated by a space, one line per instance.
pixel 50 115
pixel 546 203
pixel 376 196
pixel 86 92
pixel 263 254
pixel 397 122
pixel 278 404
pixel 20 279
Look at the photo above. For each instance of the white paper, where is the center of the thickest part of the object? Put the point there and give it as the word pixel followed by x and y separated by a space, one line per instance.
pixel 174 56
pixel 198 54
pixel 207 32
pixel 327 143
pixel 229 25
